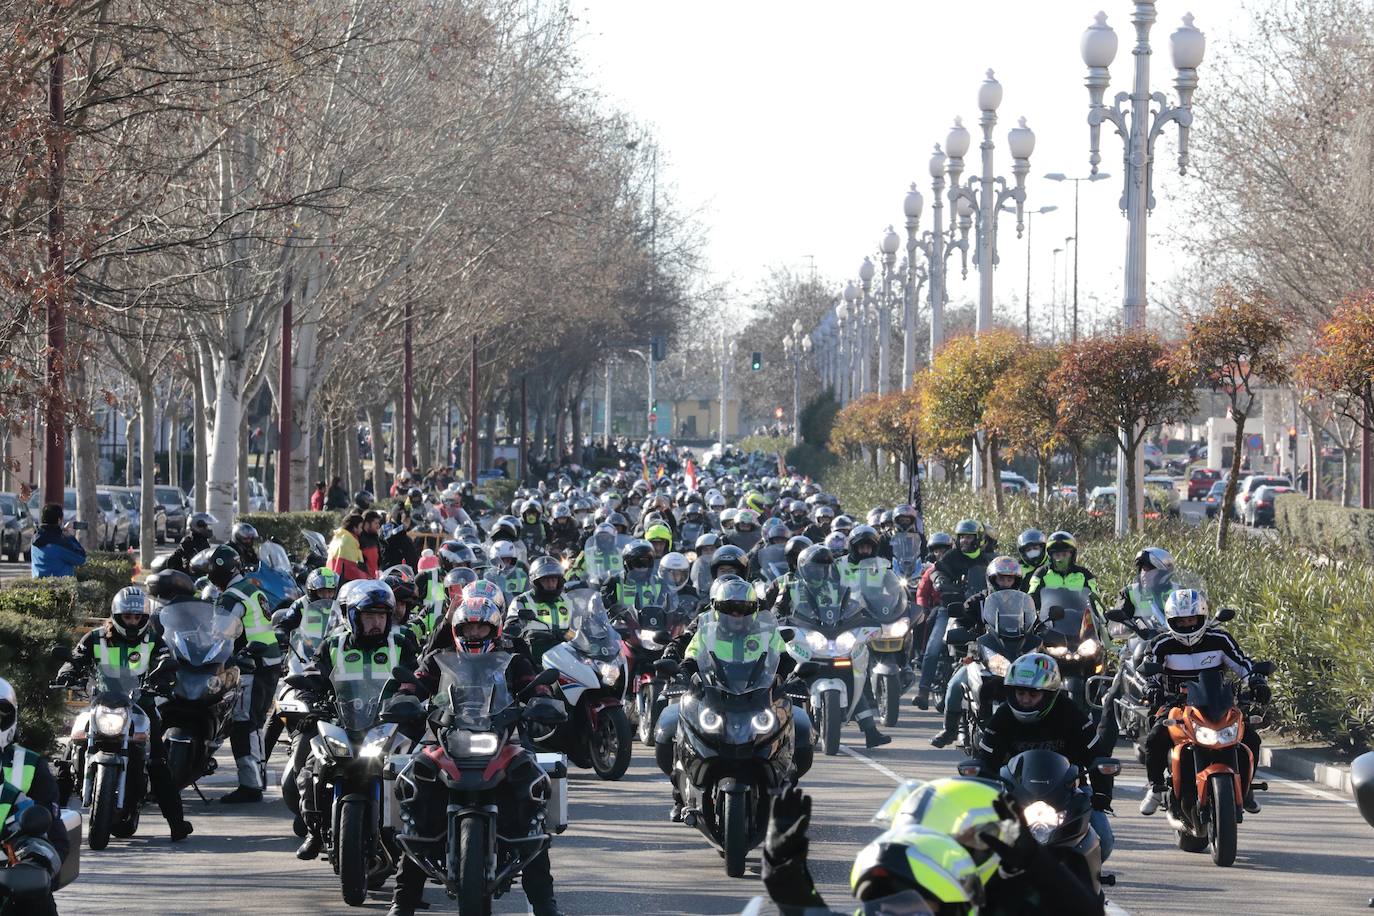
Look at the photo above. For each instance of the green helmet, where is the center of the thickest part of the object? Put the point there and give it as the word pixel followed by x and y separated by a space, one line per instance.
pixel 1033 671
pixel 920 861
pixel 966 809
pixel 659 533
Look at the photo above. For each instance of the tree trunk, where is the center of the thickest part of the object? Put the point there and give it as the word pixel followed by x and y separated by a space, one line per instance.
pixel 245 500
pixel 1232 483
pixel 304 453
pixel 1345 476
pixel 349 431
pixel 1080 475
pixel 147 439
pixel 1133 522
pixel 995 478
pixel 173 419
pixel 200 445
pixel 130 423
pixel 224 464
pixel 488 447
pixel 86 465
pixel 424 420
pixel 1042 479
pixel 376 415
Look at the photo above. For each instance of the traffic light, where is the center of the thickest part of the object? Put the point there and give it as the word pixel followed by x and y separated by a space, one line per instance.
pixel 658 347
pixel 756 361
pixel 1292 438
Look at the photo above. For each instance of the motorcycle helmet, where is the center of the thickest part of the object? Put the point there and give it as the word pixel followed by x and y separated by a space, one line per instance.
pixel 795 545
pixel 638 554
pixel 611 500
pixel 454 553
pixel 457 579
pixel 400 569
pixel 874 516
pixel 1004 572
pixel 734 601
pixel 367 606
pixel 814 559
pixel 1031 546
pixel 505 529
pixel 842 523
pixel 532 512
pixel 706 543
pixel 939 544
pixel 1154 558
pixel 476 623
pixel 727 519
pixel 968 536
pixel 1031 686
pixel 660 537
pixel 756 502
pixel 729 560
pixel 692 512
pixel 715 501
pixel 916 870
pixel 582 509
pixel 363 500
pixel 483 588
pixel 674 569
pixel 560 513
pixel 1009 613
pixel 775 531
pixel 1185 613
pixel 1060 542
pixel 505 554
pixel 9 713
pixel 169 584
pixel 321 583
pixel 862 543
pixel 836 541
pixel 480 560
pixel 904 517
pixel 129 613
pixel 541 571
pixel 219 564
pixel 200 523
pixel 966 809
pixel 618 522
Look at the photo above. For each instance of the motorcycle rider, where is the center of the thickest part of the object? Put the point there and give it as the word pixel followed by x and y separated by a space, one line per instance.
pixel 624 591
pixel 366 637
pixel 1191 645
pixel 564 537
pixel 540 616
pixel 774 532
pixel 951 574
pixel 1030 548
pixel 430 585
pixel 1004 573
pixel 197 538
pixel 676 572
pixel 746 532
pixel 397 544
pixel 28 778
pixel 863 543
pixel 244 538
pixel 534 533
pixel 660 538
pixel 1152 564
pixel 239 596
pixel 821 518
pixel 476 625
pixel 794 548
pixel 129 640
pixel 729 560
pixel 1062 571
pixel 321 584
pixel 940 544
pixel 1033 719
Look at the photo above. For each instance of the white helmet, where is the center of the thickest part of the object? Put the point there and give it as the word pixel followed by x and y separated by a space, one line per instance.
pixel 9 713
pixel 1183 603
pixel 674 568
pixel 504 550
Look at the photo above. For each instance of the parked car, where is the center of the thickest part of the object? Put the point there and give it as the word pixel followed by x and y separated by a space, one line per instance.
pixel 1013 482
pixel 1165 488
pixel 1245 490
pixel 116 531
pixel 176 509
pixel 1212 501
pixel 1102 503
pixel 1261 507
pixel 101 524
pixel 1200 481
pixel 1154 456
pixel 132 500
pixel 17 528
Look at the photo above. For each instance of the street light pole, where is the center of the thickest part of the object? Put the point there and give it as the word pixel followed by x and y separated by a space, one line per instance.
pixel 888 246
pixel 854 314
pixel 866 273
pixel 55 419
pixel 1060 176
pixel 1029 216
pixel 1139 128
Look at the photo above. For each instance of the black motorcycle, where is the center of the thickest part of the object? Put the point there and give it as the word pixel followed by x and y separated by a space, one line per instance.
pixel 1083 653
pixel 200 702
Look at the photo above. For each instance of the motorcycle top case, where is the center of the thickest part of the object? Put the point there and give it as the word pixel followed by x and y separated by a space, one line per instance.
pixel 71 864
pixel 556 765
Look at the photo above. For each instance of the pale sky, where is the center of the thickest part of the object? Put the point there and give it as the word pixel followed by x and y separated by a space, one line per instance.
pixel 795 128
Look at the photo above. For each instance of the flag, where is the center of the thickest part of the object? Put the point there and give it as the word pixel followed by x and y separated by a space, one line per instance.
pixel 661 472
pixel 782 466
pixel 914 497
pixel 644 467
pixel 691 475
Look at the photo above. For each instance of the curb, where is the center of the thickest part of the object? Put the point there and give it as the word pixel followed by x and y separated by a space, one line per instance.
pixel 1308 765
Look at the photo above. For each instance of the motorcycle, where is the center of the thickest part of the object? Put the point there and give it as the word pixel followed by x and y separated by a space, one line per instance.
pixel 831 632
pixel 1209 770
pixel 772 561
pixel 974 582
pixel 475 720
pixel 1132 709
pixel 108 744
pixel 648 632
pixel 197 709
pixel 349 810
pixel 884 598
pixel 592 684
pixel 25 886
pixel 1082 656
pixel 292 706
pixel 735 741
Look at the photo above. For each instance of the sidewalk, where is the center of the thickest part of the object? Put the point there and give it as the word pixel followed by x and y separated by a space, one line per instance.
pixel 1310 762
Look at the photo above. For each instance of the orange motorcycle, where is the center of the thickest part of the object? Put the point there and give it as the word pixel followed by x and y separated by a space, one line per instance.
pixel 1210 769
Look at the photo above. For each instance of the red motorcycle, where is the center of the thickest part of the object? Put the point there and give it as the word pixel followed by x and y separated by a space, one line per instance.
pixel 645 634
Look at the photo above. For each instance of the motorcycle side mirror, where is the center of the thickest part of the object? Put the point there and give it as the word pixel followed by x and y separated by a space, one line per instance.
pixel 35 820
pixel 1263 669
pixel 667 667
pixel 404 675
pixel 61 654
pixel 787 633
pixel 304 681
pixel 1055 613
pixel 1107 766
pixel 955 636
pixel 1150 669
pixel 970 767
pixel 403 709
pixel 545 711
pixel 1226 614
pixel 1118 615
pixel 546 677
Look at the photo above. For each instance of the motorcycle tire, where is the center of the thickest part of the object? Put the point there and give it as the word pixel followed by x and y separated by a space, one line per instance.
pixel 473 899
pixel 180 758
pixel 1221 831
pixel 351 844
pixel 610 744
pixel 1189 843
pixel 889 690
pixel 646 700
pixel 127 825
pixel 735 821
pixel 830 723
pixel 102 807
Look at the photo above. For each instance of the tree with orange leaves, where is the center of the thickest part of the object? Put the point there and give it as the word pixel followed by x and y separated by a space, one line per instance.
pixel 1340 364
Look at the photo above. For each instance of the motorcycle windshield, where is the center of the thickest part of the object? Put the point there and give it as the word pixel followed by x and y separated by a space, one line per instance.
pixel 817 597
pixel 590 630
pixel 880 590
pixel 601 560
pixel 1009 613
pixel 906 553
pixel 1211 695
pixel 276 585
pixel 1077 623
pixel 361 682
pixel 316 544
pixel 740 653
pixel 473 686
pixel 1156 587
pixel 198 634
pixel 772 562
pixel 120 679
pixel 659 608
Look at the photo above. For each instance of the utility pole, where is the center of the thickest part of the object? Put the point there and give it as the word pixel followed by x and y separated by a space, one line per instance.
pixel 55 444
pixel 472 414
pixel 524 433
pixel 407 389
pixel 285 420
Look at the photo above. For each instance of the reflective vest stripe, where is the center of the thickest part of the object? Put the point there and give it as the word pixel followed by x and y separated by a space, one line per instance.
pixel 257 624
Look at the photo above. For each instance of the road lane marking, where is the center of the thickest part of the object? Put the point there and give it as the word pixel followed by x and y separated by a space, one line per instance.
pixel 846 749
pixel 1310 790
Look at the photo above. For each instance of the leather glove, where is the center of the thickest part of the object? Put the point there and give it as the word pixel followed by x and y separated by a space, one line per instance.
pixel 788 821
pixel 34 850
pixel 1018 855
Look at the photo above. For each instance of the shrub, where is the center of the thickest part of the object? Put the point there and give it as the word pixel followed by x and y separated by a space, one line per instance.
pixel 809 459
pixel 35 616
pixel 1326 527
pixel 498 491
pixel 286 527
pixel 111 571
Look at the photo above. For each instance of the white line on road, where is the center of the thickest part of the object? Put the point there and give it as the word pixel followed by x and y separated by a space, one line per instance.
pixel 1310 790
pixel 844 748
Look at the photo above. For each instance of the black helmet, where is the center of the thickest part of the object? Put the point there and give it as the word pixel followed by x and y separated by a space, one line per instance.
pixel 729 556
pixel 363 499
pixel 244 535
pixel 505 529
pixel 795 545
pixel 130 602
pixel 940 540
pixel 168 584
pixel 543 568
pixel 364 596
pixel 403 590
pixel 1030 544
pixel 455 553
pixel 638 554
pixel 862 535
pixel 200 523
pixel 220 564
pixel 618 522
pixel 415 496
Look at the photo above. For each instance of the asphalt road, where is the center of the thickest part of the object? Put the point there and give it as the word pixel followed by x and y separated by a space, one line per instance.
pixel 1305 853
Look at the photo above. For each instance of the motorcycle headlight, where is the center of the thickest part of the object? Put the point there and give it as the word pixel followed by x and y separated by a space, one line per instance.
pixel 214 684
pixel 709 720
pixel 375 744
pixel 1058 651
pixel 646 639
pixel 609 673
pixel 902 579
pixel 846 642
pixel 1088 648
pixel 337 747
pixel 1043 819
pixel 110 723
pixel 898 629
pixel 816 640
pixel 477 744
pixel 764 722
pixel 1212 736
pixel 999 665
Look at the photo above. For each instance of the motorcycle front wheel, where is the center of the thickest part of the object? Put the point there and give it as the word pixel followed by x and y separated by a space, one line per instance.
pixel 473 899
pixel 646 701
pixel 736 832
pixel 1221 831
pixel 889 690
pixel 103 806
pixel 352 851
pixel 830 723
pixel 610 743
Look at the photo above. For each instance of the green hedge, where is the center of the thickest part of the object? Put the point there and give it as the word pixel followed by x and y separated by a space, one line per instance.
pixel 35 616
pixel 286 527
pixel 1325 527
pixel 498 491
pixel 110 571
pixel 810 460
